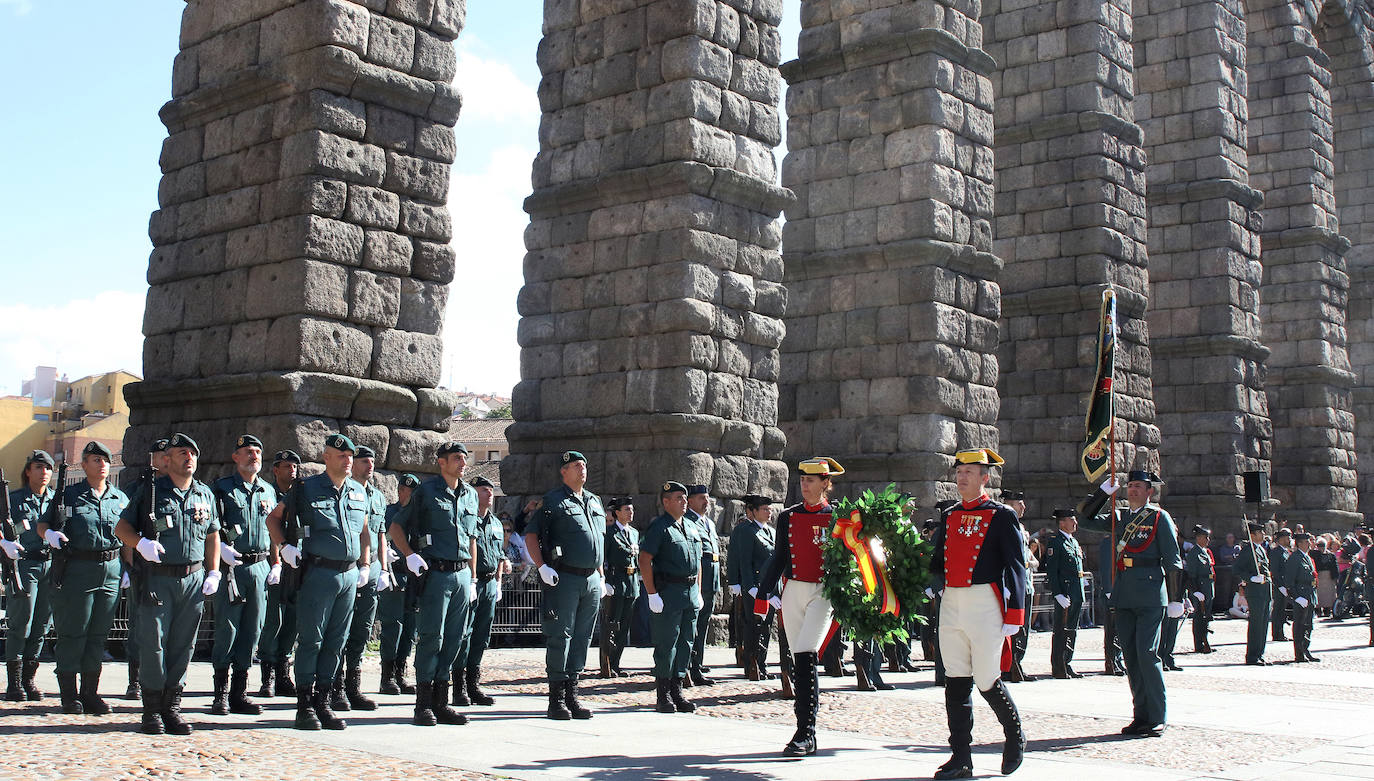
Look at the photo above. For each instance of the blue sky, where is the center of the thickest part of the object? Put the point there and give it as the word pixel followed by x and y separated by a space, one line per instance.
pixel 84 82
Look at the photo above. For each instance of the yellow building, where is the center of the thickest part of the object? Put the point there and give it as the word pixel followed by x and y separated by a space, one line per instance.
pixel 79 411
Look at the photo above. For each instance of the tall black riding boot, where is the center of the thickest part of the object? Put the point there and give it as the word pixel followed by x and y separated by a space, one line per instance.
pixel 1014 749
pixel 806 685
pixel 959 713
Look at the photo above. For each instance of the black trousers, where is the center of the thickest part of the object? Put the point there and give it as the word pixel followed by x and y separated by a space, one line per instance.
pixel 1064 637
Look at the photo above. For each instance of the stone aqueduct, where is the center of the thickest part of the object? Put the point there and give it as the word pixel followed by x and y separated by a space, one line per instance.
pixel 961 182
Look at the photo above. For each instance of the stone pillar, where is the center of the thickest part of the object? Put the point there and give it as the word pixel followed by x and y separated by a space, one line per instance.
pixel 1306 284
pixel 1204 256
pixel 301 259
pixel 1070 221
pixel 893 301
pixel 651 311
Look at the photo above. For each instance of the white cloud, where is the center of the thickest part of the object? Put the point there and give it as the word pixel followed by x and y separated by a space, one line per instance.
pixel 492 92
pixel 81 336
pixel 21 7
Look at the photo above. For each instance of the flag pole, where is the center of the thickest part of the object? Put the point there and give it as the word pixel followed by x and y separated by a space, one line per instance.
pixel 1111 461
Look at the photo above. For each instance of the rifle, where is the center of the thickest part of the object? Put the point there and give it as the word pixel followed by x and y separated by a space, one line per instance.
pixel 293 533
pixel 227 534
pixel 147 527
pixel 10 573
pixel 58 571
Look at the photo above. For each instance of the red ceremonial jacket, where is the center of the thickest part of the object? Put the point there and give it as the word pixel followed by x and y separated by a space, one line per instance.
pixel 801 532
pixel 979 542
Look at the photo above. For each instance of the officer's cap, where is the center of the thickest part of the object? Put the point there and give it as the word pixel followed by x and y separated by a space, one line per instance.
pixel 571 456
pixel 672 487
pixel 341 443
pixel 755 501
pixel 1061 513
pixel 693 490
pixel 822 466
pixel 1284 532
pixel 617 502
pixel 41 457
pixel 181 440
pixel 248 440
pixel 365 452
pixel 159 446
pixel 409 481
pixel 1254 527
pixel 286 455
pixel 481 482
pixel 452 446
pixel 985 456
pixel 1200 529
pixel 1013 496
pixel 1300 536
pixel 1140 475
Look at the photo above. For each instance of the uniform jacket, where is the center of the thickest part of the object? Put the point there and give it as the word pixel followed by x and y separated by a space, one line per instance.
pixel 978 543
pixel 751 551
pixel 675 548
pixel 710 552
pixel 1148 561
pixel 1300 576
pixel 1199 570
pixel 622 559
pixel 575 527
pixel 1252 561
pixel 182 519
pixel 800 548
pixel 1063 566
pixel 90 519
pixel 26 509
pixel 244 508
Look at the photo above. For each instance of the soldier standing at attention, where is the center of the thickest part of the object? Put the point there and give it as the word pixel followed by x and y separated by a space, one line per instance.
pixel 565 538
pixel 279 626
pixel 244 500
pixel 441 521
pixel 84 607
pixel 182 570
pixel 698 504
pixel 670 561
pixel 1064 575
pixel 1168 630
pixel 396 609
pixel 753 543
pixel 331 509
pixel 622 567
pixel 978 566
pixel 157 462
pixel 28 611
pixel 1300 578
pixel 1199 574
pixel 1020 642
pixel 1278 565
pixel 491 565
pixel 347 693
pixel 1252 569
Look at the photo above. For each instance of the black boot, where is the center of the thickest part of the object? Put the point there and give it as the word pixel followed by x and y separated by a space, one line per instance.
pixel 615 662
pixel 219 702
pixel 31 690
pixel 325 713
pixel 664 703
pixel 698 678
pixel 475 693
pixel 806 684
pixel 66 689
pixel 354 691
pixel 424 706
pixel 388 685
pixel 268 674
pixel 680 703
pixel 14 691
pixel 238 695
pixel 442 712
pixel 558 711
pixel 171 712
pixel 1014 749
pixel 285 686
pixel 959 713
pixel 90 695
pixel 570 699
pixel 151 723
pixel 458 694
pixel 132 692
pixel 305 709
pixel 405 686
pixel 335 693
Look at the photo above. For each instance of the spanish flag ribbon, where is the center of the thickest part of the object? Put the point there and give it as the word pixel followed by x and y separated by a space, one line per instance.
pixel 871 561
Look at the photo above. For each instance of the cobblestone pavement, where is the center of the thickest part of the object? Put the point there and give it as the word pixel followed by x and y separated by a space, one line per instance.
pixel 1227 721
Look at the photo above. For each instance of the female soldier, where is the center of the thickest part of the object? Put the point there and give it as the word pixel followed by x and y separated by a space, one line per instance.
pixel 27 607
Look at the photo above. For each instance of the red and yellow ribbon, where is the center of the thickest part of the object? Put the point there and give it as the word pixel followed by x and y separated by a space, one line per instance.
pixel 871 563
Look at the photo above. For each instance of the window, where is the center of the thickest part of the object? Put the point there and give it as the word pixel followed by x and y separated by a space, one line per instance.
pixel 493 455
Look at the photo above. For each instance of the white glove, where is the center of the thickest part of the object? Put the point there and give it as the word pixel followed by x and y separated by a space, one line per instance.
pixel 416 564
pixel 1175 610
pixel 472 592
pixel 1010 629
pixel 1200 597
pixel 548 574
pixel 734 590
pixel 385 581
pixel 930 593
pixel 607 590
pixel 498 591
pixel 11 548
pixel 1109 486
pixel 1256 578
pixel 228 555
pixel 291 555
pixel 54 538
pixel 1283 590
pixel 1062 600
pixel 1302 601
pixel 655 603
pixel 364 574
pixel 211 583
pixel 274 574
pixel 151 550
pixel 776 602
pixel 754 592
pixel 392 556
pixel 124 581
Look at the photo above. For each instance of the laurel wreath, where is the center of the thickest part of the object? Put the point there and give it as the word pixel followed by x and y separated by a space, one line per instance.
pixel 886 516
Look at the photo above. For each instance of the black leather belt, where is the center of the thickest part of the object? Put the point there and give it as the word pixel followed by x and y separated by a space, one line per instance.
pixel 252 558
pixel 483 577
pixel 92 555
pixel 583 571
pixel 42 555
pixel 338 565
pixel 174 570
pixel 670 579
pixel 708 556
pixel 446 565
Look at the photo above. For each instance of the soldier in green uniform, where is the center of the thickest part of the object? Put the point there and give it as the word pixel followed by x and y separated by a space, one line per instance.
pixel 279 626
pixel 752 544
pixel 157 464
pixel 621 567
pixel 28 611
pixel 1149 582
pixel 670 559
pixel 1278 566
pixel 1300 579
pixel 1168 631
pixel 491 565
pixel 1199 576
pixel 1063 565
pixel 244 499
pixel 396 608
pixel 347 693
pixel 436 535
pixel 698 505
pixel 331 508
pixel 82 525
pixel 1252 571
pixel 181 570
pixel 565 538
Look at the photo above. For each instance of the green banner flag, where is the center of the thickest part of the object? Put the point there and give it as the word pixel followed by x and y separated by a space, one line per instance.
pixel 1096 457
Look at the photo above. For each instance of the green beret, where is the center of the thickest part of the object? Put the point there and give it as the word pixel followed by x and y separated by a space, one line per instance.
pixel 671 487
pixel 248 440
pixel 409 481
pixel 451 447
pixel 340 442
pixel 286 455
pixel 180 440
pixel 42 457
pixel 365 452
pixel 572 455
pixel 480 482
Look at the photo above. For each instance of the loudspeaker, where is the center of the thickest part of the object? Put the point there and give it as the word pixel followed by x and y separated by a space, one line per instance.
pixel 1256 487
